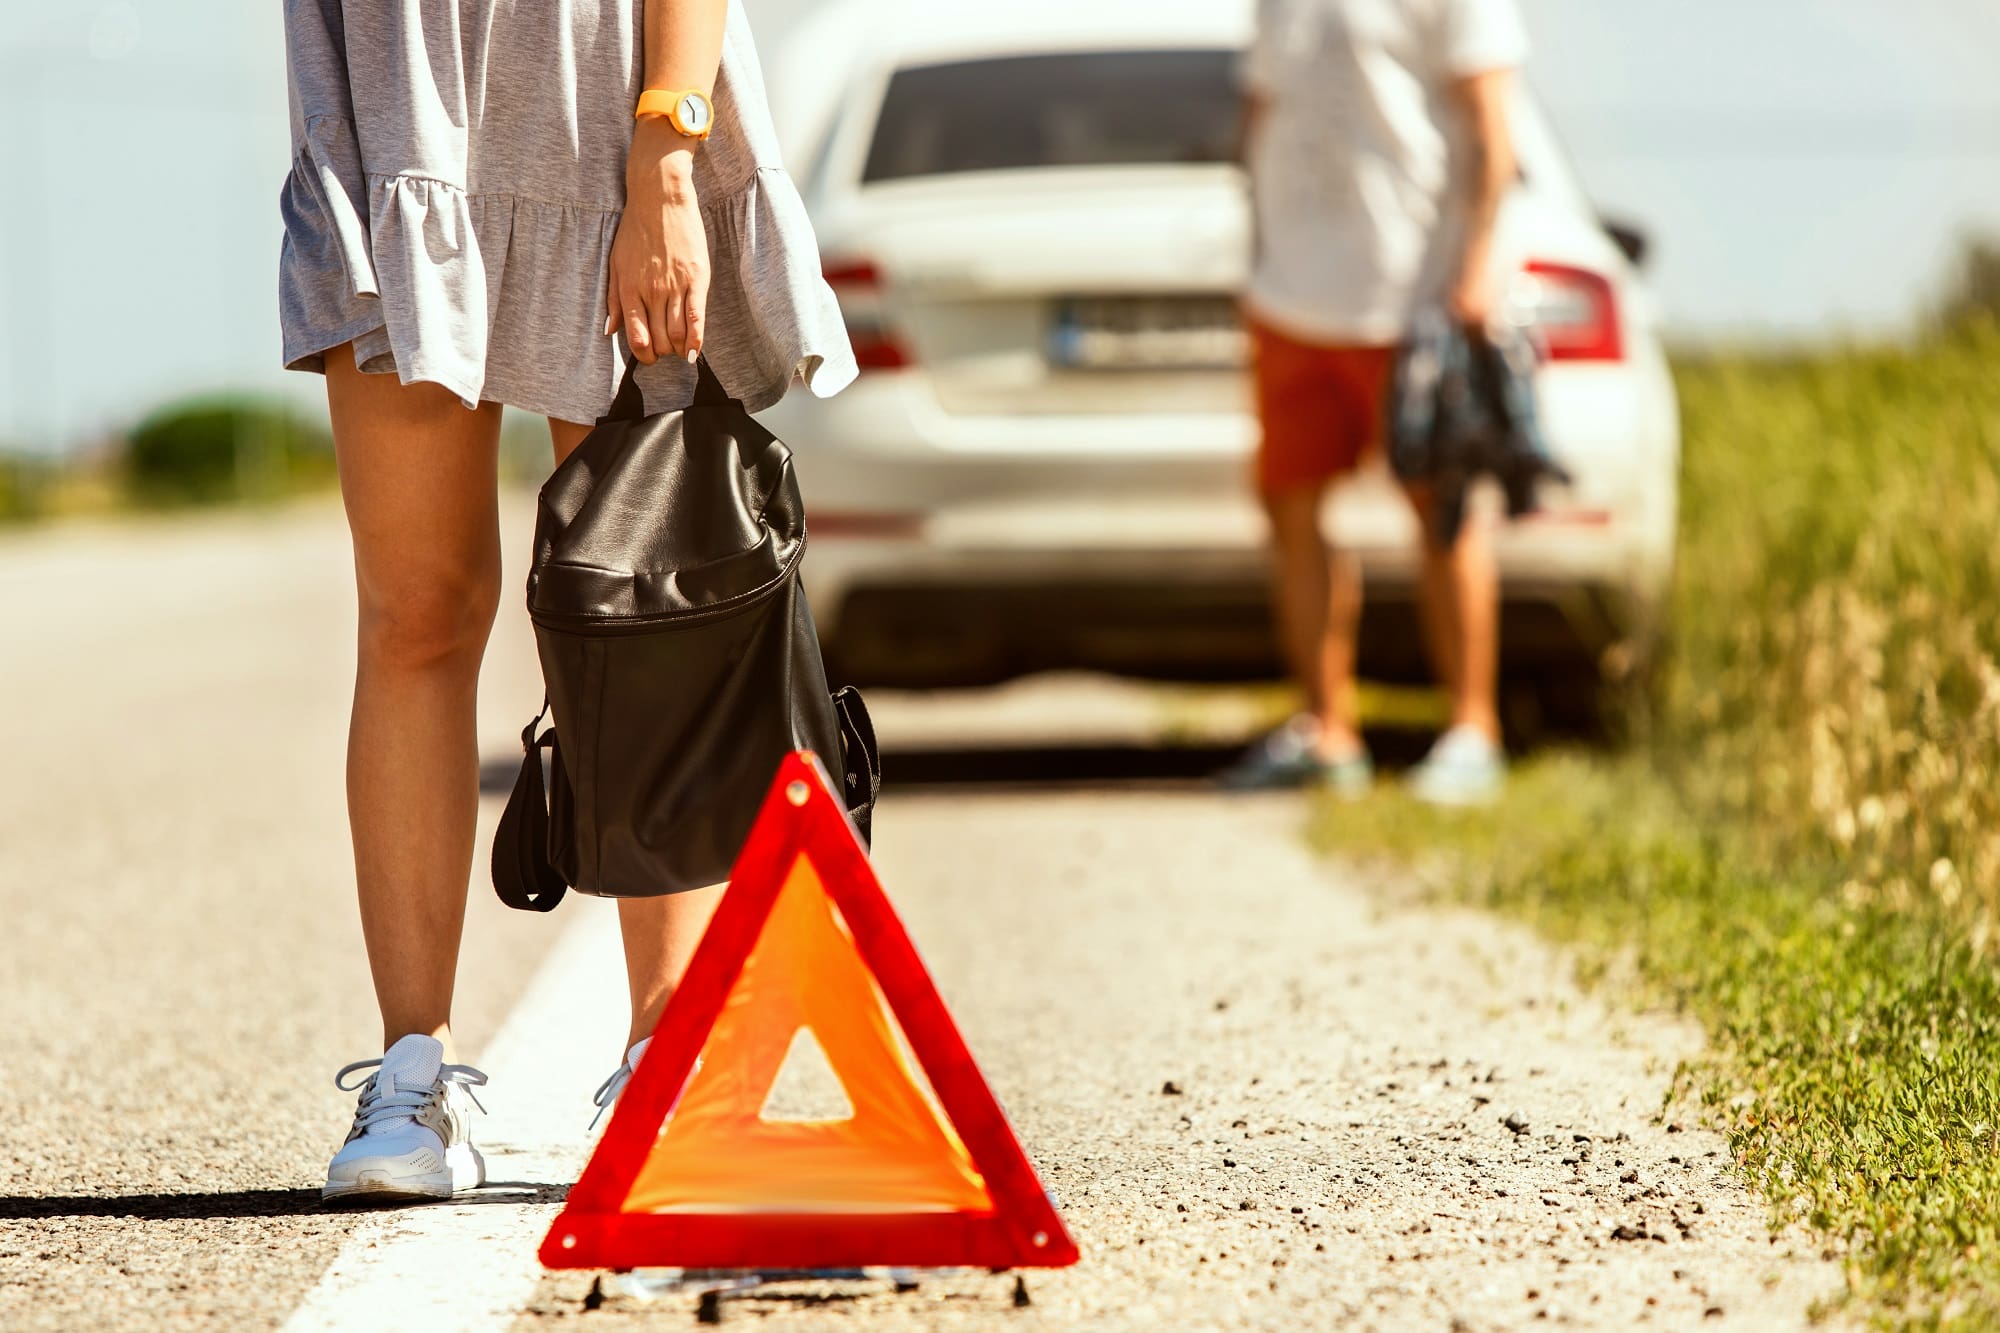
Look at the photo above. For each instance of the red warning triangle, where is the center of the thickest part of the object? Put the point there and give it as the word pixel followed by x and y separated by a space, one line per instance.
pixel 693 1173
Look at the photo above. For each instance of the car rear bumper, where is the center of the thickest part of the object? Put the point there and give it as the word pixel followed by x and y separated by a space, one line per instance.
pixel 926 636
pixel 939 619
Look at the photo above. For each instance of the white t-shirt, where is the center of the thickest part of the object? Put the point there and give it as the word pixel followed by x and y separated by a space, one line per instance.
pixel 1354 165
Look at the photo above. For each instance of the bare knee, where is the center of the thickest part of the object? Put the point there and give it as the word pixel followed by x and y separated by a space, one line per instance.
pixel 1294 517
pixel 429 620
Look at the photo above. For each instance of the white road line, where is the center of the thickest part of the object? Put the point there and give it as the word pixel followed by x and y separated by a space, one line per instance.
pixel 471 1266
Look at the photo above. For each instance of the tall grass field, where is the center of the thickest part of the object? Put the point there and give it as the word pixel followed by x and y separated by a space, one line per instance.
pixel 1804 852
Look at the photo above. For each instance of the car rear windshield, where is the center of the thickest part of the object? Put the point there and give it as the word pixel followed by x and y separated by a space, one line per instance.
pixel 1074 110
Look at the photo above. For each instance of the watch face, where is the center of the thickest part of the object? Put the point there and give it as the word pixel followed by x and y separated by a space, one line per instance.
pixel 694 114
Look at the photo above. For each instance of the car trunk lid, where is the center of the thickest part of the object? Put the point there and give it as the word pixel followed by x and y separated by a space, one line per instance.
pixel 1066 290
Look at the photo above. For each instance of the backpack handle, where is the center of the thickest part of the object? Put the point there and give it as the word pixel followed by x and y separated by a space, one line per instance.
pixel 630 404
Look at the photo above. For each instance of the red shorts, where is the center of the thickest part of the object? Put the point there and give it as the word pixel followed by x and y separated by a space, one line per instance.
pixel 1321 407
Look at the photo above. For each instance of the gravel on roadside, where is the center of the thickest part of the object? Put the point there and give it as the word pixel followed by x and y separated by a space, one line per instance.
pixel 1265 1100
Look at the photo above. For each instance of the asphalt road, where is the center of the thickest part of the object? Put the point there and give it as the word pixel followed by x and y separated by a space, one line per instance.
pixel 1264 1098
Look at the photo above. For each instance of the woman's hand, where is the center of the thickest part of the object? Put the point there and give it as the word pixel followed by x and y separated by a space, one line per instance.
pixel 658 288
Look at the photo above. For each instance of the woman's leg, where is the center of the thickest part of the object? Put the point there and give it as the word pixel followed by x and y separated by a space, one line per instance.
pixel 660 933
pixel 417 475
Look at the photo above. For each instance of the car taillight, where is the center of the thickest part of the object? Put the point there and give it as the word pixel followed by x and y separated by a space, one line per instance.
pixel 1574 311
pixel 858 284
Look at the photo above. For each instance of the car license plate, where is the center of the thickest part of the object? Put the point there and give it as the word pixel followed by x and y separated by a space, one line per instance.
pixel 1146 333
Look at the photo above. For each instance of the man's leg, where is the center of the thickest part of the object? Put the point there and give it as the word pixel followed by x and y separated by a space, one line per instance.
pixel 1461 612
pixel 1317 592
pixel 1313 434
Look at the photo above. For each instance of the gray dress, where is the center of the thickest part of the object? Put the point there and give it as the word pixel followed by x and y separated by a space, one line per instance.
pixel 458 171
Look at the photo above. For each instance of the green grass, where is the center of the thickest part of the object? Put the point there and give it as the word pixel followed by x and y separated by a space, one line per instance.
pixel 1806 854
pixel 1855 1052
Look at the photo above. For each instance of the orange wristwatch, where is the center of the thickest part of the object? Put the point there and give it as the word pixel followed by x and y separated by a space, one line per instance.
pixel 690 112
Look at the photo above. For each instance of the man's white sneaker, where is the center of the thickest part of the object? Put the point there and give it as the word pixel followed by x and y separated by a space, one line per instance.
pixel 1465 767
pixel 411 1137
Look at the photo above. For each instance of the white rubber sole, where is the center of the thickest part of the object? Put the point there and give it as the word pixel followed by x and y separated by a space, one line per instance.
pixel 414 1177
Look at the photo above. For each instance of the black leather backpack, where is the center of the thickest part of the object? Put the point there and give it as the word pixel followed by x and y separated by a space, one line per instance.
pixel 680 658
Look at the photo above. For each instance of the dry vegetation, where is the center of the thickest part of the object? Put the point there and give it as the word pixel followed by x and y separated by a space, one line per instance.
pixel 1837 684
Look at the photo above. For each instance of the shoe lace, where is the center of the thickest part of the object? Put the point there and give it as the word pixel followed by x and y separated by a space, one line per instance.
pixel 607 1091
pixel 379 1104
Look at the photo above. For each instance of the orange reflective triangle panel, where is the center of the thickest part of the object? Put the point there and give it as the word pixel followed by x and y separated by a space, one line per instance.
pixel 720 1149
pixel 699 1168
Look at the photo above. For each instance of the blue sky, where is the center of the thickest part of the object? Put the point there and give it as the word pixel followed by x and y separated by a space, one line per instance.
pixel 1808 166
pixel 1805 166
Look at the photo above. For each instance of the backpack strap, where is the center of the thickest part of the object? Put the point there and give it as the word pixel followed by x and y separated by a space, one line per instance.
pixel 861 760
pixel 522 874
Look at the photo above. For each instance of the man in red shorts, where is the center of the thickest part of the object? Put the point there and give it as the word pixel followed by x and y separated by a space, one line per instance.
pixel 1379 154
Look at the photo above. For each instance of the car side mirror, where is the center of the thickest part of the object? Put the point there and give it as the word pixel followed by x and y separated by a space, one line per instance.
pixel 1631 240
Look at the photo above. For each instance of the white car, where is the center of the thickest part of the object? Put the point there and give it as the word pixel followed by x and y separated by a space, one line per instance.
pixel 1032 219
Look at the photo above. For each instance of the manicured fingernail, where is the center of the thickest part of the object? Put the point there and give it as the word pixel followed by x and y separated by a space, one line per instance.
pixel 692 354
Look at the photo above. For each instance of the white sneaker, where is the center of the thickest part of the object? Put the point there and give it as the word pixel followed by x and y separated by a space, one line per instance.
pixel 1465 767
pixel 608 1091
pixel 411 1137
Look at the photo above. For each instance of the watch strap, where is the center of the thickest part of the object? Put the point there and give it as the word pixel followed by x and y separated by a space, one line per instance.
pixel 667 102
